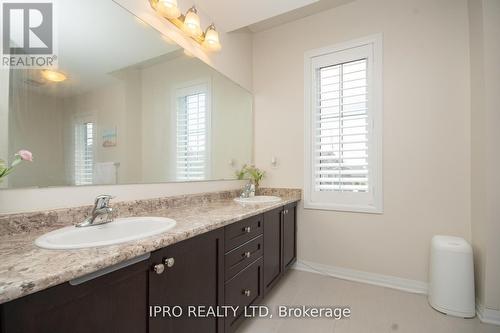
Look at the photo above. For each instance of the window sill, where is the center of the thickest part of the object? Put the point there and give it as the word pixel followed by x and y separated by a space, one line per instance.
pixel 369 209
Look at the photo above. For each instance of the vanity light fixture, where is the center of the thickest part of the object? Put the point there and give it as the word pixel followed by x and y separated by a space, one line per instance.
pixel 211 41
pixel 192 22
pixel 168 9
pixel 53 76
pixel 189 23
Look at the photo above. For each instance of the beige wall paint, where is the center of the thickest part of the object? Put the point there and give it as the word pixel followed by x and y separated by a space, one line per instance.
pixel 4 118
pixel 485 78
pixel 491 14
pixel 478 139
pixel 426 130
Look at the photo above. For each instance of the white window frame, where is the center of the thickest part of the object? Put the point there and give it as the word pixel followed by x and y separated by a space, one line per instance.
pixel 189 88
pixel 372 201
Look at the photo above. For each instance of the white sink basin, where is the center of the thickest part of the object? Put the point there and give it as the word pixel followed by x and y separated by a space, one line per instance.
pixel 258 199
pixel 119 231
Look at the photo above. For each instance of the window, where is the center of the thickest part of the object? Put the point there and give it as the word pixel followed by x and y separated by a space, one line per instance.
pixel 192 124
pixel 343 127
pixel 84 153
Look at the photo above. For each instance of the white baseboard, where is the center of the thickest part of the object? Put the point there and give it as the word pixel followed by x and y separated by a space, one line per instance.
pixel 412 286
pixel 486 315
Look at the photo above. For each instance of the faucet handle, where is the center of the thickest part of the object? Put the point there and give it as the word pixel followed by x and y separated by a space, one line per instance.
pixel 102 200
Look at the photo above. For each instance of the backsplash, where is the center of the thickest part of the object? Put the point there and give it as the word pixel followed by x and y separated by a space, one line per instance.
pixel 26 222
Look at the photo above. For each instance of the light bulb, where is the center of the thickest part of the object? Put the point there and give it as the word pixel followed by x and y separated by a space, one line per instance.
pixel 53 76
pixel 192 22
pixel 211 41
pixel 169 9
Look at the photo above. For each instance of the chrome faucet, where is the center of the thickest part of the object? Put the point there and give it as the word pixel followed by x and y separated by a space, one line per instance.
pixel 101 213
pixel 248 191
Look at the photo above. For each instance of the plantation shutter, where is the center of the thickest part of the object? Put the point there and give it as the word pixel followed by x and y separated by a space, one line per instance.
pixel 84 153
pixel 341 128
pixel 192 137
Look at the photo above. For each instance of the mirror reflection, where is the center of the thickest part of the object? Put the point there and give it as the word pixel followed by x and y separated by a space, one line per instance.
pixel 125 106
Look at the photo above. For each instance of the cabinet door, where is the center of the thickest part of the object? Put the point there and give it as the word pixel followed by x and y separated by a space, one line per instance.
pixel 289 235
pixel 194 279
pixel 243 290
pixel 113 303
pixel 272 247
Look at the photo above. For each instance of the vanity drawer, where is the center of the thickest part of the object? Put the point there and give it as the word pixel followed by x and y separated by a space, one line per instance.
pixel 241 232
pixel 245 289
pixel 242 256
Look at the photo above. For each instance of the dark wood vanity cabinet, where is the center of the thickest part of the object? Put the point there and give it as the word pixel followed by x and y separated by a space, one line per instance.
pixel 230 266
pixel 112 303
pixel 280 234
pixel 191 274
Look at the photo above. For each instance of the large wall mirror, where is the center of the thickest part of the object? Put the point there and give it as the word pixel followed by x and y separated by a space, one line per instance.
pixel 133 109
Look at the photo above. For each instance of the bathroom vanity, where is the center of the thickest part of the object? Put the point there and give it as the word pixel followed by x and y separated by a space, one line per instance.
pixel 232 265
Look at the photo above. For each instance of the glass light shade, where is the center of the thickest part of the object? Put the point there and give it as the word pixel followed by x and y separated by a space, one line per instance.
pixel 192 23
pixel 211 41
pixel 169 9
pixel 53 76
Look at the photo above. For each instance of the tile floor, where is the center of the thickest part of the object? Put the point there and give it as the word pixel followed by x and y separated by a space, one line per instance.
pixel 374 309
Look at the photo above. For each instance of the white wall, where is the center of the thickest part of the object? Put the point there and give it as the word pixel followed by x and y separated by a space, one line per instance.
pixel 485 98
pixel 426 130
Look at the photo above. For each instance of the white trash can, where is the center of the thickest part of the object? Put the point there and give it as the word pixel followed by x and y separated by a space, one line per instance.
pixel 451 277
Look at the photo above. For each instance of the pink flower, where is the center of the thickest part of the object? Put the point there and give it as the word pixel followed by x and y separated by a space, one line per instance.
pixel 25 155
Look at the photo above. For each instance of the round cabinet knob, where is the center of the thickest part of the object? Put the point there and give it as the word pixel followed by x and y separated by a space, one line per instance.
pixel 247 254
pixel 248 229
pixel 159 268
pixel 247 292
pixel 169 262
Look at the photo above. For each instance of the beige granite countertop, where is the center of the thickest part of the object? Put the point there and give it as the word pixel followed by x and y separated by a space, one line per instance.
pixel 25 268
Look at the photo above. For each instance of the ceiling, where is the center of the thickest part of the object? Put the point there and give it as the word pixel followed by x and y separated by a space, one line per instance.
pixel 232 15
pixel 296 14
pixel 258 15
